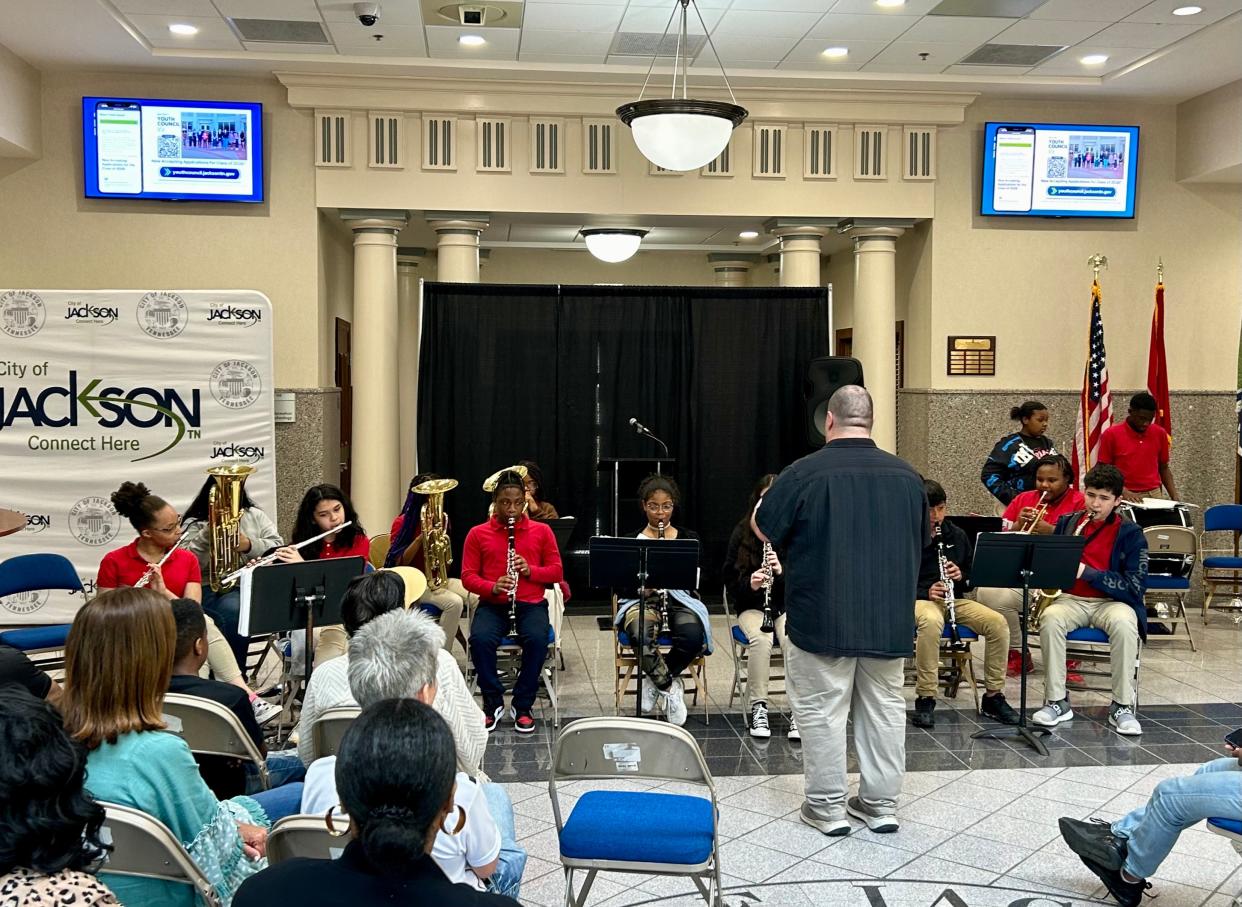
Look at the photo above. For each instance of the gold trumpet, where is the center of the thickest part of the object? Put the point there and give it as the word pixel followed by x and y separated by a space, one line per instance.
pixel 1048 596
pixel 437 549
pixel 1041 507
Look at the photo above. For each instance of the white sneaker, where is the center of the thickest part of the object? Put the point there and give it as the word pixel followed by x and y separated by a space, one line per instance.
pixel 1121 717
pixel 675 703
pixel 759 720
pixel 794 733
pixel 650 694
pixel 1053 713
pixel 265 712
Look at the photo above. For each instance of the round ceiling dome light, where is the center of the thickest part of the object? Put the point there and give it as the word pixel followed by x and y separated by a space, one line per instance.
pixel 182 29
pixel 613 244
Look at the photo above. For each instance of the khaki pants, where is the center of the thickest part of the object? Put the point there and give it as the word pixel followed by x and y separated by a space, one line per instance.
pixel 825 691
pixel 220 657
pixel 1007 603
pixel 929 623
pixel 1117 619
pixel 451 606
pixel 759 653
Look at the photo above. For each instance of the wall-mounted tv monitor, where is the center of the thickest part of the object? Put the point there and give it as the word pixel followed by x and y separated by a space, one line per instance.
pixel 1059 170
pixel 175 150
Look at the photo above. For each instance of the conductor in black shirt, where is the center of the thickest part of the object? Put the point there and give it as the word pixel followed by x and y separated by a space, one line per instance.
pixel 853 521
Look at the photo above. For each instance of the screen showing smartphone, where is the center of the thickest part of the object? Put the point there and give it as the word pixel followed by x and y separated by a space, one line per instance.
pixel 1014 153
pixel 1235 739
pixel 118 131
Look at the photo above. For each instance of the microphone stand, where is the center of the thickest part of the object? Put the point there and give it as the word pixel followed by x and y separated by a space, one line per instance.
pixel 644 431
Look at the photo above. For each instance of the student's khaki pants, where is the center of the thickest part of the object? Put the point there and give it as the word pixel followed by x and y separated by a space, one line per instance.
pixel 929 623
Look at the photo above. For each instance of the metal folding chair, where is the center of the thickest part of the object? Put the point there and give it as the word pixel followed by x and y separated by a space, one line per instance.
pixel 329 729
pixel 211 729
pixel 739 646
pixel 144 847
pixel 626 664
pixel 1167 592
pixel 1222 567
pixel 28 575
pixel 303 836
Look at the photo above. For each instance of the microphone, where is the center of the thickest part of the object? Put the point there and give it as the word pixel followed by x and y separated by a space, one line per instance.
pixel 639 427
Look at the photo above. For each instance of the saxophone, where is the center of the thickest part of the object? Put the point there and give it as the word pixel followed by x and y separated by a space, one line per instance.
pixel 224 522
pixel 437 547
pixel 1048 596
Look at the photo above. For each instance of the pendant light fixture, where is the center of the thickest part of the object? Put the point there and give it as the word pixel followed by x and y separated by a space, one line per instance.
pixel 612 244
pixel 682 133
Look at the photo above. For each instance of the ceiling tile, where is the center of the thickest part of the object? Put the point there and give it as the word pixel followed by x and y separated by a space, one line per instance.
pixel 652 20
pixel 956 29
pixel 736 47
pixel 868 7
pixel 760 24
pixel 586 17
pixel 542 233
pixel 394 36
pixel 402 50
pixel 876 66
pixel 543 41
pixel 822 65
pixel 502 43
pixel 1088 10
pixel 784 6
pixel 1067 63
pixel 169 7
pixel 213 32
pixel 810 50
pixel 907 53
pixel 668 5
pixel 707 64
pixel 1162 12
pixel 299 10
pixel 965 69
pixel 563 59
pixel 852 26
pixel 1047 31
pixel 1142 35
pixel 272 47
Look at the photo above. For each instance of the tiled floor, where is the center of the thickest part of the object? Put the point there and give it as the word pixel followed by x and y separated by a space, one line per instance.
pixel 978 817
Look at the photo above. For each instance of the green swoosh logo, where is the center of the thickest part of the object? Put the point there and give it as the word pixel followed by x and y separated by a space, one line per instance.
pixel 163 410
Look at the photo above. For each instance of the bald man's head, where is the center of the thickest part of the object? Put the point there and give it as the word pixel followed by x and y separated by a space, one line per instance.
pixel 850 412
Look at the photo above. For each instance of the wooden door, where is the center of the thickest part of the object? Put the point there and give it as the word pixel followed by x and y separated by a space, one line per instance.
pixel 344 380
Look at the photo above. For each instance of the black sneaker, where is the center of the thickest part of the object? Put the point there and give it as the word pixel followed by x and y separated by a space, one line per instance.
pixel 491 717
pixel 1127 894
pixel 1093 841
pixel 995 707
pixel 523 721
pixel 923 714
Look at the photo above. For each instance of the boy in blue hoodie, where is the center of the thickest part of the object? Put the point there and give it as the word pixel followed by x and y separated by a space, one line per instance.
pixel 1108 595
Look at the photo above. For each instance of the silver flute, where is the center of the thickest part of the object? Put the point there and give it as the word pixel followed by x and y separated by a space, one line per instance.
pixel 146 578
pixel 270 558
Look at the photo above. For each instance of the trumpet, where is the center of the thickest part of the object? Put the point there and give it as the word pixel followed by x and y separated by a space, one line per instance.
pixel 512 572
pixel 272 558
pixel 1028 526
pixel 950 600
pixel 769 621
pixel 145 579
pixel 1048 596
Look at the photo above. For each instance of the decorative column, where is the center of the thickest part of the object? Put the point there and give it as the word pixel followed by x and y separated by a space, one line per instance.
pixel 875 323
pixel 457 249
pixel 409 321
pixel 799 252
pixel 732 269
pixel 376 449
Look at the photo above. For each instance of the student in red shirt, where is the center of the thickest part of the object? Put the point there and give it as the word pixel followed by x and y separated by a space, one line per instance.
pixel 326 507
pixel 1108 595
pixel 484 571
pixel 1140 449
pixel 159 530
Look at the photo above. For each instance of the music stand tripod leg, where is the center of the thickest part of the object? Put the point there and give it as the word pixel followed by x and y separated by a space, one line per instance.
pixel 1028 734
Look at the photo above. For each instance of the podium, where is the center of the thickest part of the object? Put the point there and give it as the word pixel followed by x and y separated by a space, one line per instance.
pixel 622 475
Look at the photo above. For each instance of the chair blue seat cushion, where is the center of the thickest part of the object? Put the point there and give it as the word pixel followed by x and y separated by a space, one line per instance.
pixel 664 640
pixel 740 638
pixel 514 641
pixel 963 632
pixel 51 637
pixel 1233 826
pixel 1086 634
pixel 1160 581
pixel 639 828
pixel 1225 561
pixel 431 610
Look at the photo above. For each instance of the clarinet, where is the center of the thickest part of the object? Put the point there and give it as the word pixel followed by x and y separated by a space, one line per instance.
pixel 663 592
pixel 511 572
pixel 769 623
pixel 950 604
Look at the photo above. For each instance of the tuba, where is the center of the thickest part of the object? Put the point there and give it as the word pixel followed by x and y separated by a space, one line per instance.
pixel 437 548
pixel 224 521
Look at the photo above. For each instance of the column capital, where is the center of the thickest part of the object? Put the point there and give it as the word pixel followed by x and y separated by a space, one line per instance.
pixel 410 256
pixel 450 222
pixel 799 227
pixel 742 261
pixel 370 220
pixel 879 228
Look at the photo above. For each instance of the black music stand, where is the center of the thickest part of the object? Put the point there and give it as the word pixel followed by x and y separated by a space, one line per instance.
pixel 619 563
pixel 279 598
pixel 1011 559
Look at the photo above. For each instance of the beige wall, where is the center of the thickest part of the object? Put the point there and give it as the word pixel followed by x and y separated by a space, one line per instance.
pixel 67 241
pixel 19 107
pixel 1209 135
pixel 336 288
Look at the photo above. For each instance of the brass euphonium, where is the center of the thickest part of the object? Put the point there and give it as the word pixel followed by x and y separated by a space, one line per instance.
pixel 224 512
pixel 437 547
pixel 1048 596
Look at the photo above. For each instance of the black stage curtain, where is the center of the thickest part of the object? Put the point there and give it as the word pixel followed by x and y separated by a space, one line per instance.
pixel 555 374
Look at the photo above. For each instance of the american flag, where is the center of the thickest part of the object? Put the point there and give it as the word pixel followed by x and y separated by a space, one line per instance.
pixel 1095 404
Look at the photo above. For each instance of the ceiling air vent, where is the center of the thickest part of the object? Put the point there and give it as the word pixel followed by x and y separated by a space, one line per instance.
pixel 1012 9
pixel 280 31
pixel 1026 55
pixel 642 44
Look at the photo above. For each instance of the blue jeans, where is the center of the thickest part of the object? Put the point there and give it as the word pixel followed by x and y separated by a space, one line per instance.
pixel 489 627
pixel 1215 789
pixel 282 769
pixel 282 801
pixel 507 879
pixel 225 609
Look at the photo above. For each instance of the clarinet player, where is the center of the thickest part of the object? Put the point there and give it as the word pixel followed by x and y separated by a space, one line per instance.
pixel 747 570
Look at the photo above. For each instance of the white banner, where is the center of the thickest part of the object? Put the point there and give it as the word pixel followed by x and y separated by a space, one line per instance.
pixel 102 387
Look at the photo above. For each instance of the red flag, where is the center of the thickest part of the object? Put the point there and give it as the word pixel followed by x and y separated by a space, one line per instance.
pixel 1095 404
pixel 1158 366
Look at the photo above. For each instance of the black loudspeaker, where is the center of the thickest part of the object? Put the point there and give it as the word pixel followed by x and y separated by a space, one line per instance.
pixel 823 376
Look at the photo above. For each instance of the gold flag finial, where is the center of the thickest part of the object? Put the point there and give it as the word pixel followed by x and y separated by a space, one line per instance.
pixel 1097 261
pixel 1159 270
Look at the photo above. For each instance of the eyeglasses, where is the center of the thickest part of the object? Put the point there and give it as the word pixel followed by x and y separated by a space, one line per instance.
pixel 168 529
pixel 658 508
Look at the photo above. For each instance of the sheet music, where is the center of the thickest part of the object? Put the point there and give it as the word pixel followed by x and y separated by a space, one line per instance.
pixel 243 619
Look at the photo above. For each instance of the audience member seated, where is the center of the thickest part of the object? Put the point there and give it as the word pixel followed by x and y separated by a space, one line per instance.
pixel 397 805
pixel 50 845
pixel 395 657
pixel 221 773
pixel 16 667
pixel 118 662
pixel 1126 853
pixel 366 598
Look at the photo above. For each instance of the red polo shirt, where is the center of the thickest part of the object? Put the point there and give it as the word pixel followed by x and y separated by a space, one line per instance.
pixel 419 562
pixel 125 566
pixel 1070 501
pixel 1138 456
pixel 1097 554
pixel 486 555
pixel 361 547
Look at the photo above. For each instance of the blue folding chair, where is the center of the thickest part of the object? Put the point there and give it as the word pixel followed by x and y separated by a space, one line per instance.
pixel 1174 549
pixel 1222 567
pixel 1090 644
pixel 28 573
pixel 627 665
pixel 739 646
pixel 642 832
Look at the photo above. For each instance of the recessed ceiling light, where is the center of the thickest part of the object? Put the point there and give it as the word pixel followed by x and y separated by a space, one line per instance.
pixel 748 234
pixel 1188 10
pixel 889 4
pixel 1093 59
pixel 180 28
pixel 836 53
pixel 472 40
